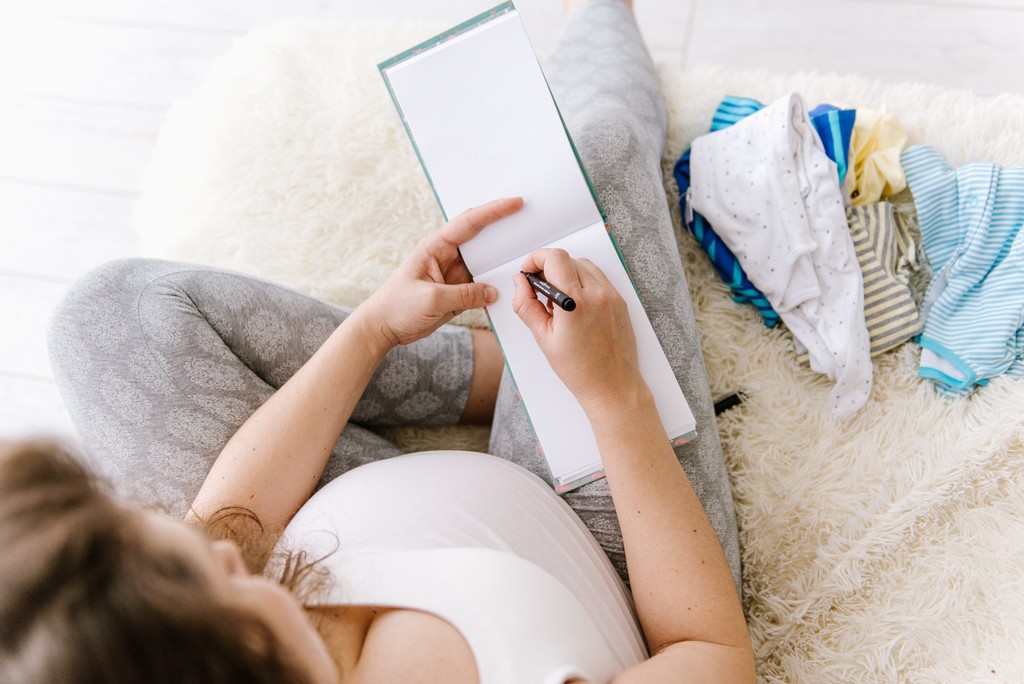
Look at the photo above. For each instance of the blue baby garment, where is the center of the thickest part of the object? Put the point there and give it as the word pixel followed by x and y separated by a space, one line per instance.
pixel 971 220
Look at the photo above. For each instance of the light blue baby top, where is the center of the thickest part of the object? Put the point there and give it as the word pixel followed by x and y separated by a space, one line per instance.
pixel 971 220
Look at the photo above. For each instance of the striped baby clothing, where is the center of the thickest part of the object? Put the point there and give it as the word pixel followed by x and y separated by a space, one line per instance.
pixel 971 220
pixel 835 128
pixel 887 255
pixel 773 196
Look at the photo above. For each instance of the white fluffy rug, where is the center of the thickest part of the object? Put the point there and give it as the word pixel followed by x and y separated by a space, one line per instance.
pixel 888 547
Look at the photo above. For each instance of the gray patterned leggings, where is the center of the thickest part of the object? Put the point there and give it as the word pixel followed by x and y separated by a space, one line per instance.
pixel 159 363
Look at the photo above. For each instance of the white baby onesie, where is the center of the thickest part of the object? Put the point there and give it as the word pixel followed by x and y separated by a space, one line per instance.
pixel 772 194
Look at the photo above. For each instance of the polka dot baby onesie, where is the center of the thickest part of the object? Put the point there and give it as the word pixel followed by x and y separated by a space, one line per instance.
pixel 773 195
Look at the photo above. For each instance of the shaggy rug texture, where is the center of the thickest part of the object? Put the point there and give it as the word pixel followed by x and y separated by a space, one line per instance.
pixel 885 547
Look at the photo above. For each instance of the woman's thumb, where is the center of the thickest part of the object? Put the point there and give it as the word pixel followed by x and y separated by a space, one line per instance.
pixel 457 298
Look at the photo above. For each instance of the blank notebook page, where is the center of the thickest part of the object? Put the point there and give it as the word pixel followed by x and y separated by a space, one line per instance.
pixel 485 126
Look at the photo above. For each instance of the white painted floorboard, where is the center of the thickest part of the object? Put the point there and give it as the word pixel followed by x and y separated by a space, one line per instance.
pixel 970 46
pixel 85 86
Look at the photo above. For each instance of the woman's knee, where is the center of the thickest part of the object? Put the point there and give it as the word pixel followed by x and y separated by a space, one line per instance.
pixel 608 139
pixel 95 317
pixel 617 155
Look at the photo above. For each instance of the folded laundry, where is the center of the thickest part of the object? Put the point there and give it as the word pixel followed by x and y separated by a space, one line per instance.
pixel 773 196
pixel 971 228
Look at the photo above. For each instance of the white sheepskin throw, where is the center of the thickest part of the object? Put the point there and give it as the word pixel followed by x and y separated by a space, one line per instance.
pixel 886 547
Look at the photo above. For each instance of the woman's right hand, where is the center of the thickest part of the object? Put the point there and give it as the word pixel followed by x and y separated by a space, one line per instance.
pixel 592 348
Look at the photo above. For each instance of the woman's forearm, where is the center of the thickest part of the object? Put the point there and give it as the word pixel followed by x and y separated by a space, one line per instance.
pixel 681 582
pixel 273 462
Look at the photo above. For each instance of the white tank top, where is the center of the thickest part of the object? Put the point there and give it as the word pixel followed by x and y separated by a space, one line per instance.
pixel 484 545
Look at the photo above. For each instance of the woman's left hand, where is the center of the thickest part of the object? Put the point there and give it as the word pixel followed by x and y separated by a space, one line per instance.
pixel 432 284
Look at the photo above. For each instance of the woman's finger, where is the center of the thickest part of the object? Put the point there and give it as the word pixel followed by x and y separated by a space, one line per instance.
pixel 558 267
pixel 452 299
pixel 469 223
pixel 589 271
pixel 526 305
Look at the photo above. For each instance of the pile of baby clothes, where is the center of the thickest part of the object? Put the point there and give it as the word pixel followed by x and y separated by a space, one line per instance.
pixel 790 206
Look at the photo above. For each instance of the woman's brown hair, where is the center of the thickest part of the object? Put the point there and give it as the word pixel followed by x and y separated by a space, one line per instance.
pixel 84 598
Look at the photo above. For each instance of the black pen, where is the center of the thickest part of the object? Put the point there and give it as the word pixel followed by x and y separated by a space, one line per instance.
pixel 550 291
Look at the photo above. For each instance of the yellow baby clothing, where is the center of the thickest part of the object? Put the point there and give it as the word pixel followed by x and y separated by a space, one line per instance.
pixel 875 148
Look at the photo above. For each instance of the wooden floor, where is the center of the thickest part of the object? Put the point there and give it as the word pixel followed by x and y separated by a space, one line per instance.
pixel 85 85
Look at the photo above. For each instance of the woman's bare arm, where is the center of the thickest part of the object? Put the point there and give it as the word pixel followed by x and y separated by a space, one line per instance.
pixel 272 463
pixel 682 586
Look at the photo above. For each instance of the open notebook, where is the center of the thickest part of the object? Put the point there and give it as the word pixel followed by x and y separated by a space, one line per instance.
pixel 477 108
